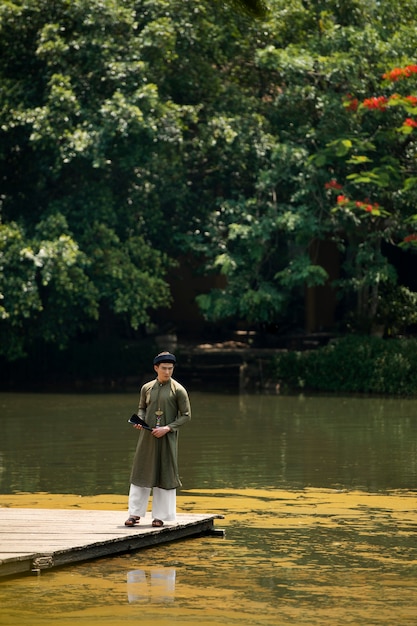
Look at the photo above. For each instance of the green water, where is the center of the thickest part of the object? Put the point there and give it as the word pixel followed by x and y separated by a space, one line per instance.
pixel 82 443
pixel 343 564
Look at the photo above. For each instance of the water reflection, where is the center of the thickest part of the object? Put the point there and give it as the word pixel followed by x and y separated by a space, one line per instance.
pixel 83 444
pixel 156 585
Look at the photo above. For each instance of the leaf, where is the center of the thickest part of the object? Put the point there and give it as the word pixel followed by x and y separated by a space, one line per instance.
pixel 358 159
pixel 410 183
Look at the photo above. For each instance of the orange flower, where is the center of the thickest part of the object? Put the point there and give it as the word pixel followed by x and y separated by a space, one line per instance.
pixel 400 72
pixel 379 102
pixel 410 122
pixel 394 74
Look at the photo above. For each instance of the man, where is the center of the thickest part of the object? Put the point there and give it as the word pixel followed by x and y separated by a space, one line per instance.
pixel 165 406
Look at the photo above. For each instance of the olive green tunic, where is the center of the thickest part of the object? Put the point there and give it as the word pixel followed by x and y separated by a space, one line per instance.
pixel 155 463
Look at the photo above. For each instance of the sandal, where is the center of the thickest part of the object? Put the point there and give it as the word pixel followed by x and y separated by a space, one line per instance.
pixel 133 519
pixel 157 523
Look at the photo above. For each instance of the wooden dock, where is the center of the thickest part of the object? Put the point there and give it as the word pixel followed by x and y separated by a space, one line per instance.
pixel 32 540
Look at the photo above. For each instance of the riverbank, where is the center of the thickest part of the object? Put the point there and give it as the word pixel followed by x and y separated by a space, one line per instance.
pixel 316 363
pixel 241 363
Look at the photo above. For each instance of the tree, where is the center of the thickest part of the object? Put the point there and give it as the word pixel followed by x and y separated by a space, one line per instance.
pixel 317 53
pixel 376 199
pixel 83 134
pixel 134 133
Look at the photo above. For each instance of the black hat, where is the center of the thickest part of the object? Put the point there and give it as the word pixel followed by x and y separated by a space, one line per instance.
pixel 164 357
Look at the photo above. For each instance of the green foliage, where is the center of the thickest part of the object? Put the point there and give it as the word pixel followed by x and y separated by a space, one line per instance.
pixel 317 54
pixel 133 133
pixel 82 128
pixel 353 364
pixel 397 309
pixel 375 200
pixel 47 291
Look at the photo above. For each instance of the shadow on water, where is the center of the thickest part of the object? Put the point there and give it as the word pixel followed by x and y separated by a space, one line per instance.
pixel 318 493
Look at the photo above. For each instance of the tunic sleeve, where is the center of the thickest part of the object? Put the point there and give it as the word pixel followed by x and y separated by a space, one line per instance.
pixel 184 408
pixel 142 401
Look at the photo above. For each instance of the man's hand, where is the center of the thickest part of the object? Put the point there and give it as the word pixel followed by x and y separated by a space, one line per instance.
pixel 161 431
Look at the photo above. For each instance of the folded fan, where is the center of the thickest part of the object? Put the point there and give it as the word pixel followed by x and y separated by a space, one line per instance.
pixel 135 419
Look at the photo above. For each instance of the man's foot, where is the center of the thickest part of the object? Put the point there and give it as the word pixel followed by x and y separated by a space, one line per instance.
pixel 133 519
pixel 157 523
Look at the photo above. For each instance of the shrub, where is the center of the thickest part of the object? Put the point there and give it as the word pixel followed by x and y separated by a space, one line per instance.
pixel 354 364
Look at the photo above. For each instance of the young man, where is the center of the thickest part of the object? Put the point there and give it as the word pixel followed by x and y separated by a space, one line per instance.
pixel 165 406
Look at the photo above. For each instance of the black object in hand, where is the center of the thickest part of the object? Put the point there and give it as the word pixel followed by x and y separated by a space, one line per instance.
pixel 135 419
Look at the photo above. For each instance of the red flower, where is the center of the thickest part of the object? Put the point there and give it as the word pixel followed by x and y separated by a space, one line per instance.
pixel 351 103
pixel 412 99
pixel 410 122
pixel 367 206
pixel 394 74
pixel 333 184
pixel 342 199
pixel 410 238
pixel 400 72
pixel 379 102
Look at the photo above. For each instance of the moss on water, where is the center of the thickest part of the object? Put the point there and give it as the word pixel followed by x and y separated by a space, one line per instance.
pixel 306 557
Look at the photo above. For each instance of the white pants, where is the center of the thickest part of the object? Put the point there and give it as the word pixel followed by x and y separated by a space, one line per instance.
pixel 164 502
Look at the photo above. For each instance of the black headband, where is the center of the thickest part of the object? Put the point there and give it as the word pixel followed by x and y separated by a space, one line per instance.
pixel 164 357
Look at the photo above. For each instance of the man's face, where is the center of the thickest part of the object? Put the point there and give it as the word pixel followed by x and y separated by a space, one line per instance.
pixel 164 371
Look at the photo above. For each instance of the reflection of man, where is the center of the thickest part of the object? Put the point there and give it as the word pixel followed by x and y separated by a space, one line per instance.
pixel 164 405
pixel 156 586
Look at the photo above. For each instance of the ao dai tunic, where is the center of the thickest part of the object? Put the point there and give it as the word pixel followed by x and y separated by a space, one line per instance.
pixel 156 460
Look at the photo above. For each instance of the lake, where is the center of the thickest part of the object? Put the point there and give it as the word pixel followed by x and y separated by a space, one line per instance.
pixel 318 494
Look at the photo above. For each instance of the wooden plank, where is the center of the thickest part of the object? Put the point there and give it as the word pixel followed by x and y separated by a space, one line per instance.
pixel 38 539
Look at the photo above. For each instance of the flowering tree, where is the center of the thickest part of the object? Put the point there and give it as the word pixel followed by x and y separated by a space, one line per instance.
pixel 373 187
